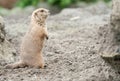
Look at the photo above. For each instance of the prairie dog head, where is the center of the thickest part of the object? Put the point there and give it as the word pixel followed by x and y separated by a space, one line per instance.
pixel 40 15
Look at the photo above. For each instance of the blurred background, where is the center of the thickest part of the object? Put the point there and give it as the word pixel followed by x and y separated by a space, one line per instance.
pixel 12 6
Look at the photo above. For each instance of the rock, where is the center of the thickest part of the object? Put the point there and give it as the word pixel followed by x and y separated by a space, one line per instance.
pixel 111 34
pixel 6 48
pixel 2 32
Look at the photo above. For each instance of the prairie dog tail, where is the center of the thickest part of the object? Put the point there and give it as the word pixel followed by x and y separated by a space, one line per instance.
pixel 16 65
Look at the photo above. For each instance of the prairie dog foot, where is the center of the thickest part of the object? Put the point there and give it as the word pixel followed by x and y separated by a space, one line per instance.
pixel 42 66
pixel 38 66
pixel 47 37
pixel 16 65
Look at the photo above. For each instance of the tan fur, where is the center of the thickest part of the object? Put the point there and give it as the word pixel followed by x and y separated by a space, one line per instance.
pixel 33 41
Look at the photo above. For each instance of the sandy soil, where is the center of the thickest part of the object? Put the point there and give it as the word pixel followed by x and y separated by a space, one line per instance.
pixel 72 51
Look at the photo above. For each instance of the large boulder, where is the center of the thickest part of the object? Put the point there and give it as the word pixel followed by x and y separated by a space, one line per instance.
pixel 110 34
pixel 6 49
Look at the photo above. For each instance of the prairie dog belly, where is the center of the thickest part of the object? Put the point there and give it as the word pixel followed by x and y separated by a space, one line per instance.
pixel 32 44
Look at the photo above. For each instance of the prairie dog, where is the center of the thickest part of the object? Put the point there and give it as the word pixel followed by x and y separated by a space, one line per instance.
pixel 33 41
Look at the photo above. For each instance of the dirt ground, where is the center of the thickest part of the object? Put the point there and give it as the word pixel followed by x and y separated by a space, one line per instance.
pixel 72 51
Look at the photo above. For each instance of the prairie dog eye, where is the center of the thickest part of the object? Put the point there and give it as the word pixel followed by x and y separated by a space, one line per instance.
pixel 41 10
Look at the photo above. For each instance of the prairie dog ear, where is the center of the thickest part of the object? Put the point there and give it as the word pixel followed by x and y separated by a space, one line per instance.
pixel 35 13
pixel 36 16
